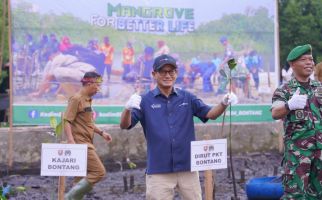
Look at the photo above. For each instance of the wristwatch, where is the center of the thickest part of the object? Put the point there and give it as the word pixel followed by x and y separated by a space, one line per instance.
pixel 100 132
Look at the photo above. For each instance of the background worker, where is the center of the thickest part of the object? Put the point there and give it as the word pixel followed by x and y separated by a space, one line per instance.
pixel 287 73
pixel 162 48
pixel 127 59
pixel 318 72
pixel 166 115
pixel 298 102
pixel 108 51
pixel 80 129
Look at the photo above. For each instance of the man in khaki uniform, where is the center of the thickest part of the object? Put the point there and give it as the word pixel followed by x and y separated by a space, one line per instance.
pixel 80 129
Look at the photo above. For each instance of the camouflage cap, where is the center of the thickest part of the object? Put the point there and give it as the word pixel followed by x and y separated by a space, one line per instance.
pixel 299 51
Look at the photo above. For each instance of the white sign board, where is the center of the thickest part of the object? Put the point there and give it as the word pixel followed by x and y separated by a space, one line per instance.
pixel 208 154
pixel 63 159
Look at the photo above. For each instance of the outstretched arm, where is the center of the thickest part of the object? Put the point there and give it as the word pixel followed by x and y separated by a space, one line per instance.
pixel 216 111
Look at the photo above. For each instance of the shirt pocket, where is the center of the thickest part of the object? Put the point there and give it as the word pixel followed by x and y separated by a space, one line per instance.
pixel 318 96
pixel 299 120
pixel 88 115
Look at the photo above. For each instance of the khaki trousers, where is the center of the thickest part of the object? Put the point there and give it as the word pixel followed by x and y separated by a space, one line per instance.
pixel 95 168
pixel 162 186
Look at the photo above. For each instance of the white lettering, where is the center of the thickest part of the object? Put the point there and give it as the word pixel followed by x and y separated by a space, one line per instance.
pixel 109 114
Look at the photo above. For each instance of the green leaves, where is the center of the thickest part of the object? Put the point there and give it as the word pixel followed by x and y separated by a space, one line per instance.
pixel 53 122
pixel 57 127
pixel 300 23
pixel 6 191
pixel 21 189
pixel 232 63
pixel 132 165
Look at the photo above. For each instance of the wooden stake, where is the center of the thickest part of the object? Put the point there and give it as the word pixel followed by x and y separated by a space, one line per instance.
pixel 208 185
pixel 275 171
pixel 61 187
pixel 125 183
pixel 208 180
pixel 242 176
pixel 61 179
pixel 131 182
pixel 214 185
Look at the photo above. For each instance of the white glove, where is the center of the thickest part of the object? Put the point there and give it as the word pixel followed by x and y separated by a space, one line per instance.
pixel 133 102
pixel 229 98
pixel 297 101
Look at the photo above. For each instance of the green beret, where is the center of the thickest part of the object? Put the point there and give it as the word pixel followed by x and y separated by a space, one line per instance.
pixel 299 51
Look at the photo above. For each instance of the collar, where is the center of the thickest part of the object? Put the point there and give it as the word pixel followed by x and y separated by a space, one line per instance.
pixel 86 97
pixel 295 83
pixel 89 99
pixel 156 91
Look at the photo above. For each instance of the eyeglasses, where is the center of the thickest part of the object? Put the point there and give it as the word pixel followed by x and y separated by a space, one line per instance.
pixel 172 72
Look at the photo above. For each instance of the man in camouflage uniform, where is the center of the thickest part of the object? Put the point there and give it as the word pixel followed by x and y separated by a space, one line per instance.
pixel 299 103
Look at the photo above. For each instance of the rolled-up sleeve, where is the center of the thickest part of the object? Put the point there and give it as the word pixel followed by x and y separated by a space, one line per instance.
pixel 279 98
pixel 200 109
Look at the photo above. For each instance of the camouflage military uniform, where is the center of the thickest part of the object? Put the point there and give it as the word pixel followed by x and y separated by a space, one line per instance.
pixel 302 162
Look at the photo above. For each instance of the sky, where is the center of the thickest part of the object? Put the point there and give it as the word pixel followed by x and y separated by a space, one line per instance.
pixel 203 9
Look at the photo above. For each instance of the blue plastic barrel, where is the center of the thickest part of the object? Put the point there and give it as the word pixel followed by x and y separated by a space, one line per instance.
pixel 264 188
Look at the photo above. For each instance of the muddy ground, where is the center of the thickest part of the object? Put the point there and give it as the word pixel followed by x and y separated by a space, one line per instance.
pixel 112 187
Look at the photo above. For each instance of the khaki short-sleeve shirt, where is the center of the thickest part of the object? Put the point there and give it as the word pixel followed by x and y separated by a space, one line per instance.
pixel 79 114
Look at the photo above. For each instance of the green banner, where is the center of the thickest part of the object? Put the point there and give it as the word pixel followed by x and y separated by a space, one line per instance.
pixel 120 40
pixel 40 115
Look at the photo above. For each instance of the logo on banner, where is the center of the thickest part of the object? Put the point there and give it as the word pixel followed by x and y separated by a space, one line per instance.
pixel 60 152
pixel 33 114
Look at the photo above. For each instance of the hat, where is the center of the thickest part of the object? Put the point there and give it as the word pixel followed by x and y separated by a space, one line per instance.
pixel 298 52
pixel 91 77
pixel 162 60
pixel 223 39
pixel 149 50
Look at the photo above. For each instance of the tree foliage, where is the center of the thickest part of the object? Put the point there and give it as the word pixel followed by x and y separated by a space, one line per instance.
pixel 254 26
pixel 4 46
pixel 300 22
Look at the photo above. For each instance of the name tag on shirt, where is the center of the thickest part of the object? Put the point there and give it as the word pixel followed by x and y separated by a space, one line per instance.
pixel 88 109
